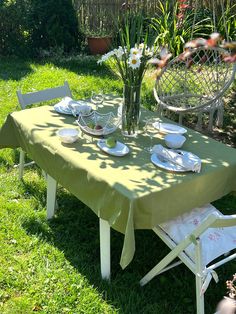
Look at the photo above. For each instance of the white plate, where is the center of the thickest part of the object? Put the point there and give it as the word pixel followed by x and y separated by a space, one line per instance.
pixel 119 150
pixel 168 128
pixel 167 165
pixel 63 108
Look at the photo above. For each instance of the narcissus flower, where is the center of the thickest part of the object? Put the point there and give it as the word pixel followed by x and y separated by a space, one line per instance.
pixel 134 62
pixel 134 51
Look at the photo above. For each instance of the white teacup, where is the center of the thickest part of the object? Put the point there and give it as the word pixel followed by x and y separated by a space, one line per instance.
pixel 68 135
pixel 174 140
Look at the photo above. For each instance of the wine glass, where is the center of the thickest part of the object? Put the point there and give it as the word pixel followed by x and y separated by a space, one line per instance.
pixel 97 99
pixel 150 130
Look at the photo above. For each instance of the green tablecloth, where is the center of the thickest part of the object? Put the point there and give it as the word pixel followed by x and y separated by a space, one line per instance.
pixel 129 192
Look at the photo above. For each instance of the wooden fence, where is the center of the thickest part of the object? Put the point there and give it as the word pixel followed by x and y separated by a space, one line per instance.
pixel 98 16
pixel 95 15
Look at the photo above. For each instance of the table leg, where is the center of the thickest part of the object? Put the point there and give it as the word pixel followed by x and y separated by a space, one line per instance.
pixel 105 250
pixel 51 196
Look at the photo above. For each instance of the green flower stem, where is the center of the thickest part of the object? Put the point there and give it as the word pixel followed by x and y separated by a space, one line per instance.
pixel 131 108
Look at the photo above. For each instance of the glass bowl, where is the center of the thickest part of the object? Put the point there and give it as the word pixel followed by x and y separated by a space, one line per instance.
pixel 98 124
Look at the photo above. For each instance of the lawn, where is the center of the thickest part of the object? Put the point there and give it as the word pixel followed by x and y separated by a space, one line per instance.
pixel 53 267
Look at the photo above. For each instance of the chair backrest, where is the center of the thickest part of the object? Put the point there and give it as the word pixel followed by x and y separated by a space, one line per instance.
pixel 195 82
pixel 43 95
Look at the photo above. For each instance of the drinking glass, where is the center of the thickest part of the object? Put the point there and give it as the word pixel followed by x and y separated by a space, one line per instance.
pixel 97 99
pixel 150 130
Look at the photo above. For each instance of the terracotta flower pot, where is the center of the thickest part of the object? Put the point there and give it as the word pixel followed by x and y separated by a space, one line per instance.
pixel 99 45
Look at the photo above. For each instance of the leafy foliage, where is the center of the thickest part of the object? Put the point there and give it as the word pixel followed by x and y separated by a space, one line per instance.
pixel 171 33
pixel 226 22
pixel 53 24
pixel 29 26
pixel 14 34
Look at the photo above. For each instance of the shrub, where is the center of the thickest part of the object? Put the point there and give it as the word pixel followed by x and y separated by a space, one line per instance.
pixel 53 24
pixel 14 35
pixel 29 26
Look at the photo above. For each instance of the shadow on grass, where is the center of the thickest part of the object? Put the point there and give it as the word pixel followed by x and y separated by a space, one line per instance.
pixel 83 65
pixel 75 232
pixel 13 68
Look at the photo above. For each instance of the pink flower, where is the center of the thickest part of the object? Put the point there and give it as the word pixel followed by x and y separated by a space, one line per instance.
pixel 213 40
pixel 184 55
pixel 180 16
pixel 184 6
pixel 230 59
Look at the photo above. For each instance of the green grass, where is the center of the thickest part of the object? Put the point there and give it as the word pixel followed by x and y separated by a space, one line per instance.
pixel 53 267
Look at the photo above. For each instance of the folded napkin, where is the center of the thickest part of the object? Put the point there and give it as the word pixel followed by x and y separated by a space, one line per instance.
pixel 74 106
pixel 187 161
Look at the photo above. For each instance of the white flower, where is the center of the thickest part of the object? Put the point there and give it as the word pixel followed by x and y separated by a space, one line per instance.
pixel 136 56
pixel 134 51
pixel 141 46
pixel 107 56
pixel 164 52
pixel 119 52
pixel 215 36
pixel 149 52
pixel 154 61
pixel 134 61
pixel 201 41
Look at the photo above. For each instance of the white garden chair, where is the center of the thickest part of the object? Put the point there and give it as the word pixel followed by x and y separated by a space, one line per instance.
pixel 197 238
pixel 28 99
pixel 195 85
pixel 33 98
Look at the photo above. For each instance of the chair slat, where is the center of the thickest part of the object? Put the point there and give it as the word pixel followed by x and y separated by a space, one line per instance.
pixel 43 95
pixel 225 221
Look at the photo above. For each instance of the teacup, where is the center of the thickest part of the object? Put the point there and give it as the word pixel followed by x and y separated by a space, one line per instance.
pixel 174 140
pixel 68 135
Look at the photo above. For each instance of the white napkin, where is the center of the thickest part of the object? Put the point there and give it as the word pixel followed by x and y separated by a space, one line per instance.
pixel 77 106
pixel 187 161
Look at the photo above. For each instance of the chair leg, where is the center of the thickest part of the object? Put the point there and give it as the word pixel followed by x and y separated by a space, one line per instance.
pixel 180 118
pixel 105 249
pixel 160 111
pixel 158 268
pixel 21 164
pixel 211 117
pixel 220 116
pixel 199 121
pixel 51 196
pixel 199 279
pixel 199 296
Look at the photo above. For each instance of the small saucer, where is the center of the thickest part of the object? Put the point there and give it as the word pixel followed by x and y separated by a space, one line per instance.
pixel 119 150
pixel 169 128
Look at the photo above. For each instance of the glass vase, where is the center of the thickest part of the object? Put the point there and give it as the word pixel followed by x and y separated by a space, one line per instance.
pixel 131 109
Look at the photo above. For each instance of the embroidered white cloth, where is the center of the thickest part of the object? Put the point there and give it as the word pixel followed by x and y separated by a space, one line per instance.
pixel 70 105
pixel 214 241
pixel 188 161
